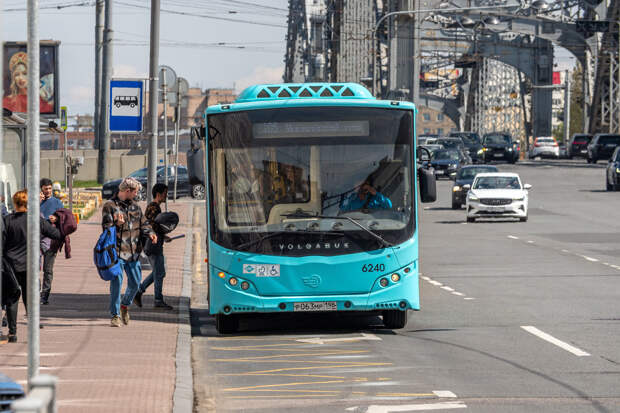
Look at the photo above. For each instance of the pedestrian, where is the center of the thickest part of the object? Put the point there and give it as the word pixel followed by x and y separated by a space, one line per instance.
pixel 156 253
pixel 131 226
pixel 49 205
pixel 15 246
pixel 3 209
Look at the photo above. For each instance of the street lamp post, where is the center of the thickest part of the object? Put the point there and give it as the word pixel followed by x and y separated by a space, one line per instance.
pixel 414 12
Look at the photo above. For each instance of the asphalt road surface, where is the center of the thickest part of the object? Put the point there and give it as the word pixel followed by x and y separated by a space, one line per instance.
pixel 516 317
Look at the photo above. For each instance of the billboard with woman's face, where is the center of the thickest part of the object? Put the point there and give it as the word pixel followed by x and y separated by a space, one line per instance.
pixel 15 78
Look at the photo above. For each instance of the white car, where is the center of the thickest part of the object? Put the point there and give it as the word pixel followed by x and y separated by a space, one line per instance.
pixel 545 146
pixel 497 194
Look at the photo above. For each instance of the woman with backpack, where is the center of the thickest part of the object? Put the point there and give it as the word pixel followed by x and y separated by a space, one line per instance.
pixel 15 247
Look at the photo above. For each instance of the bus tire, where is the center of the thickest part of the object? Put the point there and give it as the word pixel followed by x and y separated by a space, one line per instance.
pixel 226 324
pixel 394 319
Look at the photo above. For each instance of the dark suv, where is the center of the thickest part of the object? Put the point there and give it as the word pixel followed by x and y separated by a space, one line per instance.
pixel 578 145
pixel 612 177
pixel 602 146
pixel 498 146
pixel 472 143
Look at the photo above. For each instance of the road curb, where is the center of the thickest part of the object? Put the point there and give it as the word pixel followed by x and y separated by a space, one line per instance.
pixel 183 398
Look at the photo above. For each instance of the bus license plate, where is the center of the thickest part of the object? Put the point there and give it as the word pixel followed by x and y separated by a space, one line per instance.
pixel 316 306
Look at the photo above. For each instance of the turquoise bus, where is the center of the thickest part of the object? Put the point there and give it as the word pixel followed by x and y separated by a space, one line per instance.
pixel 311 203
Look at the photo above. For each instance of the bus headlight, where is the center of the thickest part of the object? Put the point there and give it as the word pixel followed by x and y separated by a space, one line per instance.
pixel 384 282
pixel 245 285
pixel 395 277
pixel 233 281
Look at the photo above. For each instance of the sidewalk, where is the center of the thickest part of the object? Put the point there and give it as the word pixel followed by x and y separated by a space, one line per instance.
pixel 100 368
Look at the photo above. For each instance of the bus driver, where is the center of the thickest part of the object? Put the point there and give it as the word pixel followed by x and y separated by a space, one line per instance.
pixel 366 197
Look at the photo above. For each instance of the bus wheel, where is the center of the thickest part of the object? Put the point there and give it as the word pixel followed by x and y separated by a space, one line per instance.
pixel 395 318
pixel 226 324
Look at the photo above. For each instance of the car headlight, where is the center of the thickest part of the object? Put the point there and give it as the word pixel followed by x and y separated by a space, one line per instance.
pixel 451 166
pixel 456 188
pixel 481 151
pixel 618 170
pixel 473 198
pixel 519 198
pixel 509 149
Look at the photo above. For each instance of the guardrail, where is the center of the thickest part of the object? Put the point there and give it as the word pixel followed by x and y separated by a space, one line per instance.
pixel 41 397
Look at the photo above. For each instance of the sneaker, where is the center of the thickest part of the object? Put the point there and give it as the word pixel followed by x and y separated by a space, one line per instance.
pixel 138 299
pixel 125 314
pixel 12 338
pixel 4 322
pixel 116 321
pixel 44 301
pixel 163 305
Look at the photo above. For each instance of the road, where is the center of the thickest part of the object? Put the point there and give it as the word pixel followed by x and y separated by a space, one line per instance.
pixel 516 317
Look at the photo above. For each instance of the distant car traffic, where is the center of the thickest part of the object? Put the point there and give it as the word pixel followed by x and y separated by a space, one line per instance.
pixel 602 147
pixel 498 146
pixel 183 187
pixel 545 146
pixel 578 145
pixel 465 176
pixel 9 392
pixel 446 162
pixel 458 144
pixel 472 143
pixel 612 177
pixel 498 194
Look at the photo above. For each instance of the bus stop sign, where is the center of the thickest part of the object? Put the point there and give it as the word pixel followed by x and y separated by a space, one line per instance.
pixel 126 114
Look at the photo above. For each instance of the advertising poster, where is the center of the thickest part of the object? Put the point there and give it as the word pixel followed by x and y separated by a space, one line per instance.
pixel 15 78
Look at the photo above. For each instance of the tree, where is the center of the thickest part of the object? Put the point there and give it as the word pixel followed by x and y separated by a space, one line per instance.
pixel 576 101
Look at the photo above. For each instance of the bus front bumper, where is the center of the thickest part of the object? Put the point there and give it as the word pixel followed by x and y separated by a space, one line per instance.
pixel 402 295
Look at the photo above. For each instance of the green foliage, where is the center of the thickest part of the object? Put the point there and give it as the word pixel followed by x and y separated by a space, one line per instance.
pixel 576 102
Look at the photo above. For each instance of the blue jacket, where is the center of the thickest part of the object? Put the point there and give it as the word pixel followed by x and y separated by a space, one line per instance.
pixel 377 201
pixel 49 206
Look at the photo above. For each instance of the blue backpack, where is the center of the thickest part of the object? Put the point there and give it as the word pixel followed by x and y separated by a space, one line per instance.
pixel 105 255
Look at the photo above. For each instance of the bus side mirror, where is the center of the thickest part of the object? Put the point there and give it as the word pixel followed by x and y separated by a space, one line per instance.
pixel 198 132
pixel 428 185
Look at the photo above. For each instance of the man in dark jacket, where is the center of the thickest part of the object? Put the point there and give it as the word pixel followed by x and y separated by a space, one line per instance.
pixel 15 246
pixel 156 253
pixel 49 205
pixel 123 212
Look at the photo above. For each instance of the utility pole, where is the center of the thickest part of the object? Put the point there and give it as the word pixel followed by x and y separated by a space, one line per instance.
pixel 98 57
pixel 1 157
pixel 32 184
pixel 566 106
pixel 417 55
pixel 177 118
pixel 164 91
pixel 104 133
pixel 153 85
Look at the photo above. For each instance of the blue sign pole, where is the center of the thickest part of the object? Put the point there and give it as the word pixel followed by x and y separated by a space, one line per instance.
pixel 126 113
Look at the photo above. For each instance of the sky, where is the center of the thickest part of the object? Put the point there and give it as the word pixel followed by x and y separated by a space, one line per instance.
pixel 211 43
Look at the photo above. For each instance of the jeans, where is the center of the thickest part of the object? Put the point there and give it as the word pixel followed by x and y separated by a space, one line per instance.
pixel 134 276
pixel 158 263
pixel 49 257
pixel 11 310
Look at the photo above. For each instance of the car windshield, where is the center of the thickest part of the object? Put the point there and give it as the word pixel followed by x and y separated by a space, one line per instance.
pixel 497 182
pixel 470 173
pixel 582 139
pixel 140 173
pixel 468 138
pixel 450 143
pixel 497 140
pixel 443 154
pixel 283 172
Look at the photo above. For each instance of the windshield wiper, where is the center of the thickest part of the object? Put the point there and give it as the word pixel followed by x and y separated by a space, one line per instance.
pixel 378 237
pixel 277 233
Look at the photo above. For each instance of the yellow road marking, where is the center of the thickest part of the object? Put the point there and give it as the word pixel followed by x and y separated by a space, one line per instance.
pixel 359 392
pixel 283 355
pixel 283 375
pixel 260 372
pixel 301 383
pixel 384 379
pixel 266 348
pixel 287 396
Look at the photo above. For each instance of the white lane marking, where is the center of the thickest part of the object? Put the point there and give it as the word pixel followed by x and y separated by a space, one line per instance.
pixel 424 277
pixel 512 237
pixel 411 407
pixel 445 287
pixel 468 298
pixel 444 393
pixel 616 267
pixel 565 251
pixel 318 340
pixel 437 283
pixel 589 258
pixel 530 242
pixel 457 293
pixel 547 337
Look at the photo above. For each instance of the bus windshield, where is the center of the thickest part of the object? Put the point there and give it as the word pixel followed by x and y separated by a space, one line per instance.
pixel 301 181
